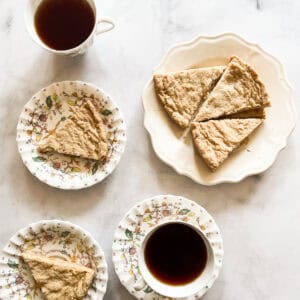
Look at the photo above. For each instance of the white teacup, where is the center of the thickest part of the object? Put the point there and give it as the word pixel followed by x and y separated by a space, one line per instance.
pixel 30 10
pixel 177 291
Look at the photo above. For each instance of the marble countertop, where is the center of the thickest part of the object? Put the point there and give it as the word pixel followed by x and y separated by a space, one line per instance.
pixel 259 217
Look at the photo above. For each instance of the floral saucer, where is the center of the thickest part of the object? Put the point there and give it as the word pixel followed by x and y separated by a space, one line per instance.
pixel 55 239
pixel 40 116
pixel 139 221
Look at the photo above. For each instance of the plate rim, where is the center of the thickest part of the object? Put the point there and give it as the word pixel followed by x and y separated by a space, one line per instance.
pixel 121 152
pixel 240 176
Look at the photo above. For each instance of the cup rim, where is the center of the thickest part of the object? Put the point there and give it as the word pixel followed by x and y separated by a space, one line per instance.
pixel 152 281
pixel 35 37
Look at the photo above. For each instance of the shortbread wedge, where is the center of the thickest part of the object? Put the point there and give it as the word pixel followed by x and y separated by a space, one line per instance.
pixel 182 92
pixel 83 134
pixel 216 139
pixel 58 279
pixel 239 89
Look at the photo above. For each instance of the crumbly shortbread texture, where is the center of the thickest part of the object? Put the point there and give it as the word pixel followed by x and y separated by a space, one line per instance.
pixel 239 89
pixel 253 113
pixel 83 134
pixel 59 279
pixel 182 92
pixel 216 139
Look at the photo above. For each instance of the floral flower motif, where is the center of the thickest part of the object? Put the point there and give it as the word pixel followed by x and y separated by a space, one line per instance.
pixel 132 250
pixel 56 165
pixel 42 118
pixel 166 212
pixel 19 280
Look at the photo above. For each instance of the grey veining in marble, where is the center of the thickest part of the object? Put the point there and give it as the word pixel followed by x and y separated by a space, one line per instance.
pixel 259 217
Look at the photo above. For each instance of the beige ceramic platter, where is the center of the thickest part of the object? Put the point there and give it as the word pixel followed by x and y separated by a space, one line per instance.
pixel 175 147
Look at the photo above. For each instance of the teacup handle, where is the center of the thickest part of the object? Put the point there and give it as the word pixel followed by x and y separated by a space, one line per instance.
pixel 106 20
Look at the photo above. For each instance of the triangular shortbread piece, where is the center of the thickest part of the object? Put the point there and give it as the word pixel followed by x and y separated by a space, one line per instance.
pixel 58 279
pixel 238 90
pixel 182 92
pixel 216 139
pixel 82 134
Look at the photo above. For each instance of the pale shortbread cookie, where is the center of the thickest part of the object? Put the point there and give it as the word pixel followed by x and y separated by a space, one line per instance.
pixel 82 134
pixel 182 92
pixel 58 279
pixel 253 113
pixel 216 139
pixel 238 90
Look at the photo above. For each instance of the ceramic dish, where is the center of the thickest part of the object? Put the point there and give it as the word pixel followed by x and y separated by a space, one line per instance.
pixel 56 239
pixel 140 220
pixel 175 147
pixel 41 114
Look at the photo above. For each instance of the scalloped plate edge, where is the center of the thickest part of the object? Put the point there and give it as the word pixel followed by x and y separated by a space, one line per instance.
pixel 280 147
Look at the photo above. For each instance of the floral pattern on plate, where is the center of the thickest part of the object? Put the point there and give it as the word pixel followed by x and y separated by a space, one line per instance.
pixel 54 239
pixel 41 115
pixel 144 216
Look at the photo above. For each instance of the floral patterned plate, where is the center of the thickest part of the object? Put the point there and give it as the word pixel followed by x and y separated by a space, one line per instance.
pixel 55 239
pixel 40 116
pixel 144 216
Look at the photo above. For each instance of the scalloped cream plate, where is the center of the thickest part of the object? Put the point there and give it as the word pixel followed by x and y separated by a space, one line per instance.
pixel 175 147
pixel 145 216
pixel 52 238
pixel 40 116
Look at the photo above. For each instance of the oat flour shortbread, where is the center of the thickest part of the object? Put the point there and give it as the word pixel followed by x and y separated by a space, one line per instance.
pixel 216 139
pixel 238 90
pixel 82 134
pixel 58 279
pixel 182 92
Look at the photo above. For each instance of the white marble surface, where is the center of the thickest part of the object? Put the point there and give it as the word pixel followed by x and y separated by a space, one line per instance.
pixel 259 217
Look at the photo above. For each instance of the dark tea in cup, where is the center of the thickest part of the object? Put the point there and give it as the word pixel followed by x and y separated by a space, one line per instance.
pixel 175 254
pixel 64 24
